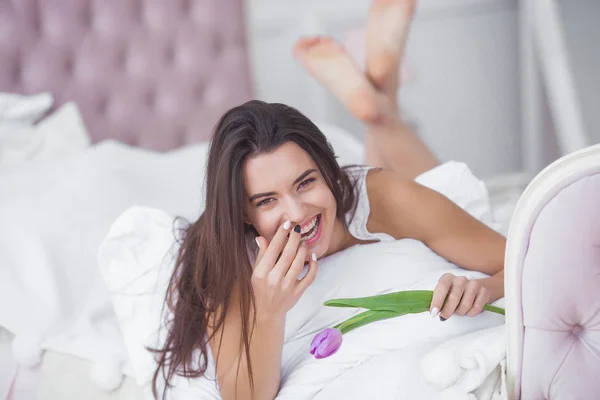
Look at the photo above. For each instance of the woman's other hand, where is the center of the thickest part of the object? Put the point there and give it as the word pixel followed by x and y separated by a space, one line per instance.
pixel 276 271
pixel 462 296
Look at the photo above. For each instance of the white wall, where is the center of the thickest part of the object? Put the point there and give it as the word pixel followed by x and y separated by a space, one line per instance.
pixel 463 53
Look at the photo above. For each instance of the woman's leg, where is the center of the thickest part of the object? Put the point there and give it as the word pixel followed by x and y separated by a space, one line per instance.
pixel 371 97
pixel 395 144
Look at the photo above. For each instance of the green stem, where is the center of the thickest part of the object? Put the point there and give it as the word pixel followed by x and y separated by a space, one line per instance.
pixel 495 309
pixel 364 318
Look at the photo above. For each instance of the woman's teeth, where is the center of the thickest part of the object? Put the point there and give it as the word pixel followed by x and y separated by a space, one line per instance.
pixel 307 227
pixel 310 229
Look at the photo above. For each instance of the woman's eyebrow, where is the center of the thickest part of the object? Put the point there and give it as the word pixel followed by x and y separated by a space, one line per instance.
pixel 304 175
pixel 259 195
pixel 298 180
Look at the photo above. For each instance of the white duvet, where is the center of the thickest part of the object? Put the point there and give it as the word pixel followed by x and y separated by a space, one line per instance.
pixel 381 360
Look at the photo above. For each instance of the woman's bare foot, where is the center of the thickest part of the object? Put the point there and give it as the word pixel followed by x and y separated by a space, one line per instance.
pixel 387 32
pixel 331 65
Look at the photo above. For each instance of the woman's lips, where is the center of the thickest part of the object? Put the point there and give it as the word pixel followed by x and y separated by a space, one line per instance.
pixel 317 234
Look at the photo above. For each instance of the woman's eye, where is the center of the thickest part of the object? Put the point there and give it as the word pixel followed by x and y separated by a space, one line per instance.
pixel 264 202
pixel 306 182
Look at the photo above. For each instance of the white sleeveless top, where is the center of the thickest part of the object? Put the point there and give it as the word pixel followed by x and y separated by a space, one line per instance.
pixel 357 224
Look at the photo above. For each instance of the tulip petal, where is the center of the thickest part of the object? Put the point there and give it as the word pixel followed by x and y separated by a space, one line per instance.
pixel 326 343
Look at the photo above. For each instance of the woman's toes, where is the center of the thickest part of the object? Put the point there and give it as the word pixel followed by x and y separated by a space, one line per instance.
pixel 331 65
pixel 387 32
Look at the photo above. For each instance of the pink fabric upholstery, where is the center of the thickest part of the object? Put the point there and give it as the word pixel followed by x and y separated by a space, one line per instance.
pixel 552 281
pixel 152 73
pixel 560 297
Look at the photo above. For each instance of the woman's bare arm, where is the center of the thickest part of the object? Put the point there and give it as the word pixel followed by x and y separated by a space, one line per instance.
pixel 277 288
pixel 265 353
pixel 403 208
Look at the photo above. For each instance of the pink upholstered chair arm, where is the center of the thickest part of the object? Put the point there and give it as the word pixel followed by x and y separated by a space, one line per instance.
pixel 553 283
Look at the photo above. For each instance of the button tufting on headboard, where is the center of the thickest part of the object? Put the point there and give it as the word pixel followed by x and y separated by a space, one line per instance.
pixel 157 74
pixel 561 318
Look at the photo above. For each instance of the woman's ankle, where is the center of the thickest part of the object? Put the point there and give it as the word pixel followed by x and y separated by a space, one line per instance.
pixel 388 121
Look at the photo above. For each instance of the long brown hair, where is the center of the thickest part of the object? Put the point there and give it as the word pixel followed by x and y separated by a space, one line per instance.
pixel 213 256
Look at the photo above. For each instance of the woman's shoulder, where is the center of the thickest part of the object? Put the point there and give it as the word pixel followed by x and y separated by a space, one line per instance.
pixel 389 197
pixel 384 186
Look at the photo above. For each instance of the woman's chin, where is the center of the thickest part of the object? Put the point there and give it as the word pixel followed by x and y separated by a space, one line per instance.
pixel 319 248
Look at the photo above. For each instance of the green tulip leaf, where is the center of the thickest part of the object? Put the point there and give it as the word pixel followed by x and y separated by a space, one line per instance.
pixel 406 302
pixel 365 318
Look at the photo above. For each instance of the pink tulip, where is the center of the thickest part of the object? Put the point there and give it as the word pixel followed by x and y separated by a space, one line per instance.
pixel 326 342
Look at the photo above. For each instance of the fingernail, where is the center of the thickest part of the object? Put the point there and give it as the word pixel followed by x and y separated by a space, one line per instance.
pixel 297 229
pixel 287 225
pixel 442 319
pixel 257 243
pixel 314 257
pixel 434 312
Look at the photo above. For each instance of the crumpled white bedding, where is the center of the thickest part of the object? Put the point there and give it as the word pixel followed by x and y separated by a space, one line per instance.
pixel 381 359
pixel 469 366
pixel 55 215
pixel 26 137
pixel 49 202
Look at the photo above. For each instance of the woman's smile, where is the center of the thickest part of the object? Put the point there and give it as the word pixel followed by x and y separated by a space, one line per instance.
pixel 311 231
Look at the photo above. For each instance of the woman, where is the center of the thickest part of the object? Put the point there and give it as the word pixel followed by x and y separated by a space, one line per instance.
pixel 272 177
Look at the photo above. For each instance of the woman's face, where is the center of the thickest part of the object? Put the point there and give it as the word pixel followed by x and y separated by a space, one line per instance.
pixel 286 185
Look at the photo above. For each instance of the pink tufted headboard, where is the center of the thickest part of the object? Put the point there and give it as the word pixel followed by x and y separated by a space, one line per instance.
pixel 151 73
pixel 553 283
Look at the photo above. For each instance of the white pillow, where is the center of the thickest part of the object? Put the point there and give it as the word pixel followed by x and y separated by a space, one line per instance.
pixel 23 110
pixel 54 216
pixel 136 261
pixel 56 136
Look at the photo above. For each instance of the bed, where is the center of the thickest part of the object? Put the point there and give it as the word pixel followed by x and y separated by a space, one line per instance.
pixel 155 76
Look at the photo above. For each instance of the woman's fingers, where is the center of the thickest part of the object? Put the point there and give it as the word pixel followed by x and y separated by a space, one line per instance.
pixel 289 253
pixel 458 295
pixel 481 299
pixel 459 283
pixel 439 294
pixel 273 250
pixel 468 297
pixel 262 244
pixel 310 276
pixel 291 278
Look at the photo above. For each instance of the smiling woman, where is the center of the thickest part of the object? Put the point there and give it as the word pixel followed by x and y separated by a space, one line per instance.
pixel 269 168
pixel 277 199
pixel 295 191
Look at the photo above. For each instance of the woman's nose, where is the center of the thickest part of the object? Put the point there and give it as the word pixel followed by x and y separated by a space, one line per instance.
pixel 296 211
